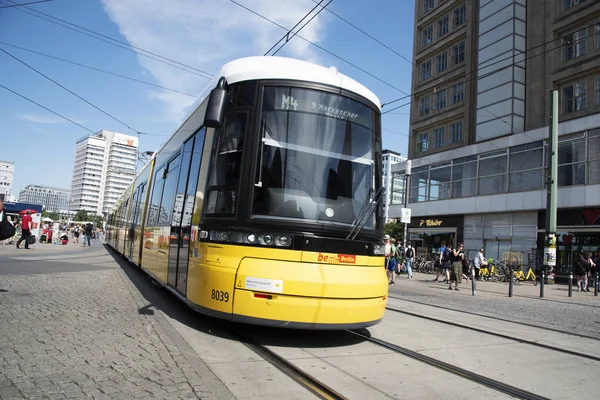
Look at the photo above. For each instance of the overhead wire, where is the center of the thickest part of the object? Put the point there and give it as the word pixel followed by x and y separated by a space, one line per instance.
pixel 68 90
pixel 96 69
pixel 47 109
pixel 115 42
pixel 286 36
pixel 302 27
pixel 320 47
pixel 25 4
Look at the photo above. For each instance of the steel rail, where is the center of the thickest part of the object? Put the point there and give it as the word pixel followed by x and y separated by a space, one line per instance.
pixel 463 373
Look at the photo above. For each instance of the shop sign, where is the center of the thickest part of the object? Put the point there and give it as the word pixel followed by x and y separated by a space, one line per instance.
pixel 572 217
pixel 430 223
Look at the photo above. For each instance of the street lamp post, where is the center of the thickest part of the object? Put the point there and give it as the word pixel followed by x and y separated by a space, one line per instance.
pixel 406 191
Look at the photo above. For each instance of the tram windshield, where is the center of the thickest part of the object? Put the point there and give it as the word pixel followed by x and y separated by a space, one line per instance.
pixel 317 157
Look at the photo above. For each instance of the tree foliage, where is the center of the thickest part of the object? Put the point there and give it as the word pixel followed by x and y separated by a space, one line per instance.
pixel 395 230
pixel 81 215
pixel 52 215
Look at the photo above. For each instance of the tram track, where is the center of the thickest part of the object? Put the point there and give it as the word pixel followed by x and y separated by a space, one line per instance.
pixel 463 373
pixel 523 323
pixel 495 334
pixel 307 381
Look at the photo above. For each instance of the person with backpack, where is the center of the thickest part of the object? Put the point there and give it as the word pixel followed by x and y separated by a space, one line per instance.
pixel 392 262
pixel 87 240
pixel 444 262
pixel 409 255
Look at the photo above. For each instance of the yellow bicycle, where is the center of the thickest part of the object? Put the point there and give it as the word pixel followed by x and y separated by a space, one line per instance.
pixel 520 276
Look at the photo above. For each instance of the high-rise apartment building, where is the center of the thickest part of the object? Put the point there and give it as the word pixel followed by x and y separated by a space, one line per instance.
pixel 105 165
pixel 389 158
pixel 53 199
pixel 7 173
pixel 479 125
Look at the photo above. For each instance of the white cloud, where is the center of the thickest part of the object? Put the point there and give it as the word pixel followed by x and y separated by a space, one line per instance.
pixel 44 119
pixel 207 34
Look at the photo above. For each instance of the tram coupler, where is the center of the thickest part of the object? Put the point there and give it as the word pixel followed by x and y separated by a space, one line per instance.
pixel 510 281
pixel 571 284
pixel 473 284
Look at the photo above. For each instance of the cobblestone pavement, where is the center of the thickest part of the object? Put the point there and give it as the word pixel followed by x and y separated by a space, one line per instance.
pixel 88 333
pixel 580 313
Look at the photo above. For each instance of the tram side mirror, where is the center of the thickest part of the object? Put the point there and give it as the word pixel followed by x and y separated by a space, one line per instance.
pixel 215 109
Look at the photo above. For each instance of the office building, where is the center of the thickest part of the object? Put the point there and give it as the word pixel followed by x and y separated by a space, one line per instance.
pixel 389 158
pixel 51 198
pixel 7 173
pixel 479 125
pixel 105 165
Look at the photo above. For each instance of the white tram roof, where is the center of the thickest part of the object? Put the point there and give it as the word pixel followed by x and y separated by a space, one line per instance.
pixel 251 68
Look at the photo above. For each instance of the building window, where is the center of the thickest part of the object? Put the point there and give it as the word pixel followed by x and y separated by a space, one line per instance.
pixel 443 26
pixel 571 160
pixel 464 177
pixel 598 90
pixel 597 35
pixel 567 4
pixel 594 157
pixel 419 184
pixel 427 6
pixel 426 70
pixel 440 100
pixel 441 62
pixel 575 44
pixel 574 98
pixel 427 36
pixel 422 142
pixel 460 15
pixel 526 167
pixel 424 106
pixel 456 132
pixel 457 93
pixel 492 173
pixel 438 138
pixel 458 53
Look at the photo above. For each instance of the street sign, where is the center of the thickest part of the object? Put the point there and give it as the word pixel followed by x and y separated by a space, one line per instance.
pixel 405 215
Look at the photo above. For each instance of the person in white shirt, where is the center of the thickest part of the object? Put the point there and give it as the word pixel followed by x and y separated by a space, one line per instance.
pixel 479 261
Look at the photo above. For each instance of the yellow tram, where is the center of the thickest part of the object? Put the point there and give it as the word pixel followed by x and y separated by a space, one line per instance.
pixel 264 206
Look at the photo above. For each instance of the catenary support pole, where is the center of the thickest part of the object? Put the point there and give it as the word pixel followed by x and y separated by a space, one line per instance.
pixel 551 187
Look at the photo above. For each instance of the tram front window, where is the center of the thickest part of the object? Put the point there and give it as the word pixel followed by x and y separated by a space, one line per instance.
pixel 316 159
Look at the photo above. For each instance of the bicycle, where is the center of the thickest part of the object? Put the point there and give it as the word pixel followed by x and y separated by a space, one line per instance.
pixel 520 276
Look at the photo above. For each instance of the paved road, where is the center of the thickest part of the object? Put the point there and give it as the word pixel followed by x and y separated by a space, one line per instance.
pixel 74 324
pixel 580 313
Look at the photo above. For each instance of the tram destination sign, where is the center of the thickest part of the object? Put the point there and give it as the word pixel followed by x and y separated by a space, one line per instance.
pixel 317 102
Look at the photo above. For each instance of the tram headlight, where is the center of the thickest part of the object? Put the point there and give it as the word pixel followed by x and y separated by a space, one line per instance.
pixel 283 241
pixel 251 238
pixel 225 236
pixel 378 249
pixel 267 239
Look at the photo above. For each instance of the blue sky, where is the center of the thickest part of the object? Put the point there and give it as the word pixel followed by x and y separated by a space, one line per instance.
pixel 204 34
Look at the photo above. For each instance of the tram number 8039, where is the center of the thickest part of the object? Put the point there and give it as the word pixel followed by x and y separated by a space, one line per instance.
pixel 219 295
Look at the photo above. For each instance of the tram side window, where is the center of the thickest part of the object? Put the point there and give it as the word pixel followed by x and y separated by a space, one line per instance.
pixel 170 188
pixel 140 206
pixel 156 197
pixel 224 178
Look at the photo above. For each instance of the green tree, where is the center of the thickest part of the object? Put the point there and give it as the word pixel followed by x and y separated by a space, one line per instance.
pixel 81 215
pixel 98 220
pixel 52 215
pixel 395 230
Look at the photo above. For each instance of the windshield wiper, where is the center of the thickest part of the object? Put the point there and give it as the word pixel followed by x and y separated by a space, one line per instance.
pixel 365 212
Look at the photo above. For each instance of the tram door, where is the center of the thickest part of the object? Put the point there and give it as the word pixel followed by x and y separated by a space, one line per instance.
pixel 133 218
pixel 183 208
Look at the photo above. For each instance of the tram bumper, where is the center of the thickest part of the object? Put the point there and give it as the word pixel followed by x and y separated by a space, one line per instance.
pixel 309 295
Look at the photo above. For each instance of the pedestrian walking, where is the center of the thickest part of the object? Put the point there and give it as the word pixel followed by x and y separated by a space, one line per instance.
pixel 76 233
pixel 26 225
pixel 478 262
pixel 88 235
pixel 443 260
pixel 583 265
pixel 409 255
pixel 392 264
pixel 456 257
